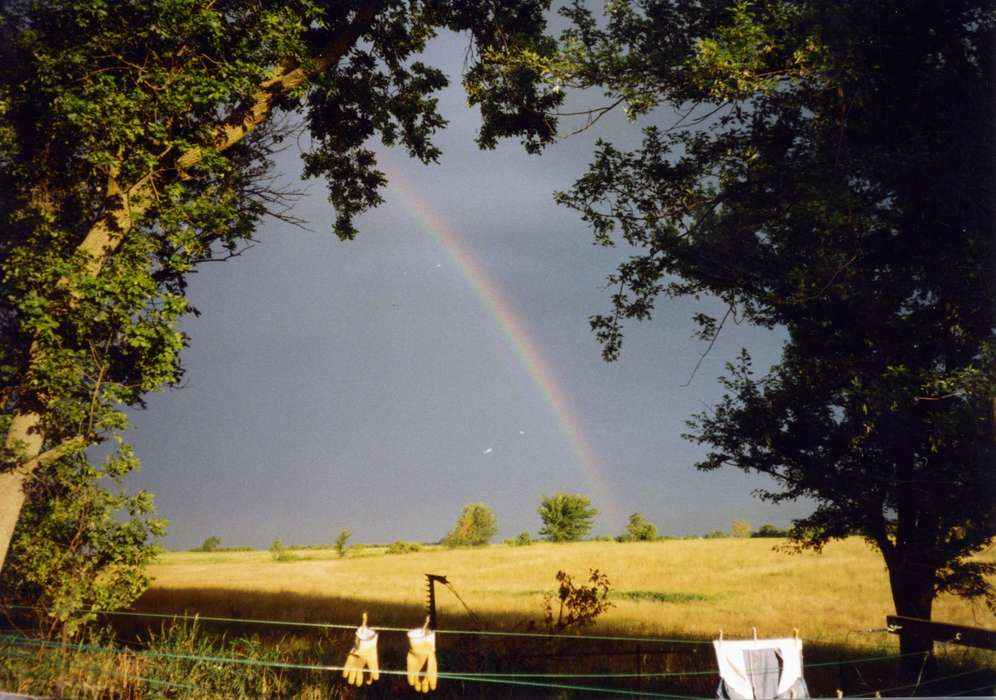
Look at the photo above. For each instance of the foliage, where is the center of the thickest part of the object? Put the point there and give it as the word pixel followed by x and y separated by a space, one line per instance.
pixel 769 530
pixel 281 552
pixel 341 546
pixel 402 547
pixel 180 661
pixel 566 516
pixel 476 525
pixel 715 535
pixel 578 605
pixel 639 529
pixel 523 539
pixel 210 544
pixel 135 145
pixel 80 547
pixel 832 172
pixel 741 528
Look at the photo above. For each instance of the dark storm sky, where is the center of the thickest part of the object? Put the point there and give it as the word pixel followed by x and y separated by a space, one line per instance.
pixel 369 385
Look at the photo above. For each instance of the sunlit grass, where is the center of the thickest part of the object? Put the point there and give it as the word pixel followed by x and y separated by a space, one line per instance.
pixel 674 587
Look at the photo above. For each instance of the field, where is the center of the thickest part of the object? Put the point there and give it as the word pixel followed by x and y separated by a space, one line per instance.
pixel 669 599
pixel 684 588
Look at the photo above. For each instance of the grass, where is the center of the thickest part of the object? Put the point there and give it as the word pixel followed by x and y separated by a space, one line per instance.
pixel 682 590
pixel 691 588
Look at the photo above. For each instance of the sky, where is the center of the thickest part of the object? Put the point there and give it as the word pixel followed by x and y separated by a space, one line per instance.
pixel 442 358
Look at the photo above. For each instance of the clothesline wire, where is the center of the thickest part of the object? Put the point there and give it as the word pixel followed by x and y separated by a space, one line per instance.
pixel 28 641
pixel 466 677
pixel 506 679
pixel 918 683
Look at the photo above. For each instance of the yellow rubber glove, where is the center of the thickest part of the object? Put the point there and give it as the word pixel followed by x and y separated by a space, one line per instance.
pixel 422 652
pixel 362 656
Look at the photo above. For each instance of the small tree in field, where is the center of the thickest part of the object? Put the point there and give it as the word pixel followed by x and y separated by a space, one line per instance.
pixel 639 529
pixel 476 525
pixel 577 605
pixel 340 542
pixel 740 528
pixel 210 544
pixel 566 517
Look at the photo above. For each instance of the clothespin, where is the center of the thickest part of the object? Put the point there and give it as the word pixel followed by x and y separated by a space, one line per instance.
pixel 878 694
pixel 755 633
pixel 425 627
pixel 840 693
pixel 364 623
pixel 720 634
pixel 795 632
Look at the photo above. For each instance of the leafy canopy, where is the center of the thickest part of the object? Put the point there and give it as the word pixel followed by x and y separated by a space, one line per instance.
pixel 566 517
pixel 476 526
pixel 827 169
pixel 135 145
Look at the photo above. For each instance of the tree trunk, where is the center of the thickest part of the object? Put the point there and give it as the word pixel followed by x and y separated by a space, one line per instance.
pixel 26 437
pixel 913 594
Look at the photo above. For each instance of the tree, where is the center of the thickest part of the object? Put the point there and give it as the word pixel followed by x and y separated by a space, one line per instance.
pixel 341 546
pixel 476 525
pixel 81 547
pixel 830 173
pixel 639 529
pixel 740 528
pixel 135 139
pixel 566 517
pixel 210 544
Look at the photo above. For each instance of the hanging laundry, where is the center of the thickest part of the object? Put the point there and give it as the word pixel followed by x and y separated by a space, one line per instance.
pixel 362 656
pixel 422 653
pixel 760 668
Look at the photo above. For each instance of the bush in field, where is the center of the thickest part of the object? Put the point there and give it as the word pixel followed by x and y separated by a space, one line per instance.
pixel 402 547
pixel 476 526
pixel 578 605
pixel 210 544
pixel 740 528
pixel 521 540
pixel 639 529
pixel 280 552
pixel 340 542
pixel 769 530
pixel 567 517
pixel 715 535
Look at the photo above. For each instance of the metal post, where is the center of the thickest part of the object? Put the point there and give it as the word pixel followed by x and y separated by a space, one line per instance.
pixel 430 596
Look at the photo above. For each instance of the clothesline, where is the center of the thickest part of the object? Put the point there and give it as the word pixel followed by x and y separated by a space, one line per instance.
pixel 520 680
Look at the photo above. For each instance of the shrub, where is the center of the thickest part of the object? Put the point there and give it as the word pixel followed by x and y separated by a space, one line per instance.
pixel 475 526
pixel 340 542
pixel 769 530
pixel 280 552
pixel 640 529
pixel 740 528
pixel 567 517
pixel 579 605
pixel 210 544
pixel 521 540
pixel 401 547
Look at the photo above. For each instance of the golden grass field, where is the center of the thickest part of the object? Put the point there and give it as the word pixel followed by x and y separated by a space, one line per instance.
pixel 686 588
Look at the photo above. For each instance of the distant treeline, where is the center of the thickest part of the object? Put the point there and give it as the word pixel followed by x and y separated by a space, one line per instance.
pixel 738 529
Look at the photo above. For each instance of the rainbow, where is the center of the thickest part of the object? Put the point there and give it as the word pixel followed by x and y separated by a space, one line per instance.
pixel 518 337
